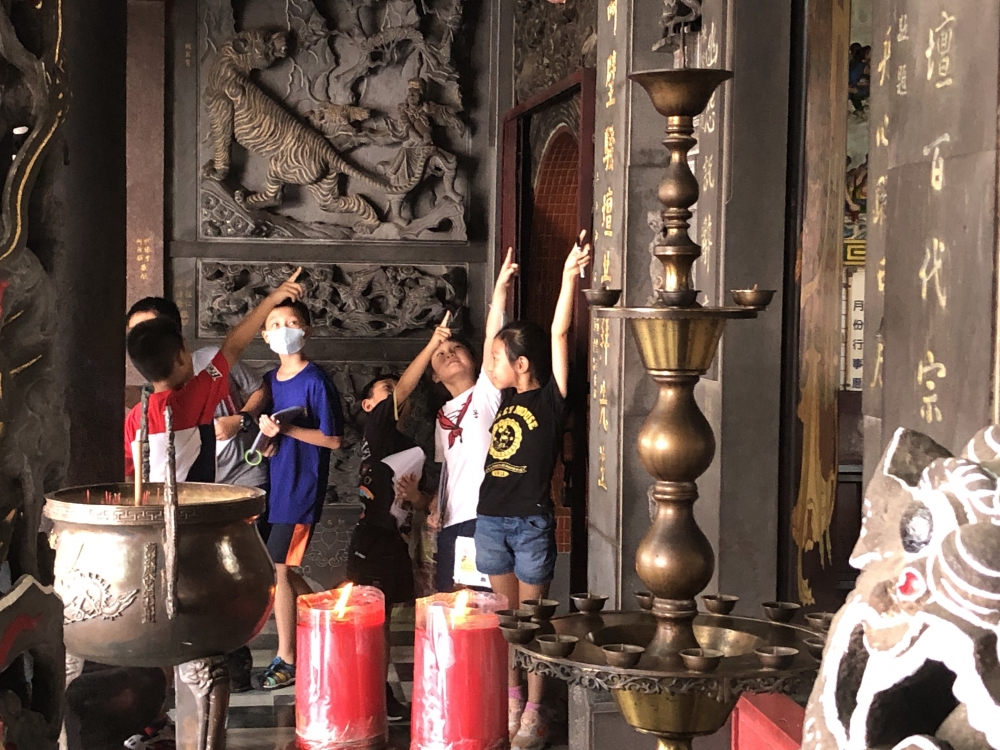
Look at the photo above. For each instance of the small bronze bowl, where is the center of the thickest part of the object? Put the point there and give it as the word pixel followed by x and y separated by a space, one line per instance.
pixel 719 604
pixel 520 634
pixel 557 645
pixel 776 657
pixel 540 609
pixel 602 297
pixel 678 297
pixel 819 621
pixel 701 659
pixel 781 612
pixel 511 617
pixel 754 299
pixel 623 655
pixel 645 599
pixel 588 603
pixel 815 647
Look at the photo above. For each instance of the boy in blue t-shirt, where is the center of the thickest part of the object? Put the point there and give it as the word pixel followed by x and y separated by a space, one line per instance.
pixel 300 467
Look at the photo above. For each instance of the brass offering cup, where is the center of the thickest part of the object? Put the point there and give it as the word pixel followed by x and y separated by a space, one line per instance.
pixel 602 297
pixel 776 657
pixel 588 603
pixel 520 633
pixel 719 604
pixel 540 609
pixel 701 659
pixel 510 617
pixel 819 621
pixel 644 599
pixel 815 647
pixel 782 612
pixel 623 655
pixel 560 646
pixel 753 299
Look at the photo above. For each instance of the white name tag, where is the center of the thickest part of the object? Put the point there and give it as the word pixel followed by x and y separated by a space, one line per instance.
pixel 466 573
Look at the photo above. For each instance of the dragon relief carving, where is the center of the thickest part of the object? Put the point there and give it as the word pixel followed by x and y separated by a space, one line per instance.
pixel 552 41
pixel 87 596
pixel 324 137
pixel 346 300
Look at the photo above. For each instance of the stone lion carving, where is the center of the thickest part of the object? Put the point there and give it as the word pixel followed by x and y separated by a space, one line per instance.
pixel 240 110
pixel 911 659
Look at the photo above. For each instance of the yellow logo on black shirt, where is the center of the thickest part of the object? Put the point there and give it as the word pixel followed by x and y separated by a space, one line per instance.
pixel 507 437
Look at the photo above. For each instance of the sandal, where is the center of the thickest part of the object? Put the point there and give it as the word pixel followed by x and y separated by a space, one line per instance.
pixel 279 674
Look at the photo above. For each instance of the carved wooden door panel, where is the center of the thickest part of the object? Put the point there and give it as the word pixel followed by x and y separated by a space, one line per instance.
pixel 546 200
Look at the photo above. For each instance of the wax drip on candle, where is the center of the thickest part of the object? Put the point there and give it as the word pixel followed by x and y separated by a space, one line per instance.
pixel 345 594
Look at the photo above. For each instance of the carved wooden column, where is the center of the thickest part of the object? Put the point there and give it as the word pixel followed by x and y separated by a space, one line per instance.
pixel 144 153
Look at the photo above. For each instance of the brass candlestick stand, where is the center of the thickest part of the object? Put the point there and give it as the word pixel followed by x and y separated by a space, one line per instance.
pixel 689 667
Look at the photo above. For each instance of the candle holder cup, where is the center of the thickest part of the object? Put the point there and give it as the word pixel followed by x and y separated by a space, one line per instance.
pixel 588 603
pixel 602 297
pixel 644 599
pixel 783 612
pixel 719 604
pixel 557 645
pixel 540 609
pixel 701 659
pixel 815 647
pixel 520 633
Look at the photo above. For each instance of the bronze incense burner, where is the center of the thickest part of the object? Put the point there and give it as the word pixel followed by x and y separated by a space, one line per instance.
pixel 163 575
pixel 664 693
pixel 112 575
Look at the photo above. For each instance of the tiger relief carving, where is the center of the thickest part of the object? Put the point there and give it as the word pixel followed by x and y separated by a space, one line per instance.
pixel 240 110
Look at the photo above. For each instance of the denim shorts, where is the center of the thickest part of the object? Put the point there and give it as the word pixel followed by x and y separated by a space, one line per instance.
pixel 525 547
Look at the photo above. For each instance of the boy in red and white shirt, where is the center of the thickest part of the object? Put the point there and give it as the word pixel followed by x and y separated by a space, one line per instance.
pixel 160 354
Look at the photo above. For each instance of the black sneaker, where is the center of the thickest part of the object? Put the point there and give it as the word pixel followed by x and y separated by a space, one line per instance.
pixel 394 710
pixel 240 666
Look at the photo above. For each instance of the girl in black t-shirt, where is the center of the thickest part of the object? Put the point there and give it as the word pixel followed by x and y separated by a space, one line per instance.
pixel 515 529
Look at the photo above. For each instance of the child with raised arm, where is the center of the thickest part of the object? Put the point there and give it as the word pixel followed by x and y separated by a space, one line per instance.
pixel 300 468
pixel 378 554
pixel 515 531
pixel 160 354
pixel 462 434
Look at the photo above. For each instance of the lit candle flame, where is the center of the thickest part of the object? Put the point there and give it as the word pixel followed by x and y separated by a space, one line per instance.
pixel 345 593
pixel 461 608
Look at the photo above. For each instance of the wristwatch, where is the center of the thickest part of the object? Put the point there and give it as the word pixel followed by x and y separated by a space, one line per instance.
pixel 246 422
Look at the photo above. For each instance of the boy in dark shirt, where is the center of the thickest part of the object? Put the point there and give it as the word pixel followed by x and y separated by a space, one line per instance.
pixel 378 554
pixel 300 469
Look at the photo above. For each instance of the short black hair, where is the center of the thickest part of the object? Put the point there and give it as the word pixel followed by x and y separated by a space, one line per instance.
pixel 369 390
pixel 153 346
pixel 163 308
pixel 305 317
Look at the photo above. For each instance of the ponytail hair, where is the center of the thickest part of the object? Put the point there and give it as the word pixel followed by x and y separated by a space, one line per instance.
pixel 522 338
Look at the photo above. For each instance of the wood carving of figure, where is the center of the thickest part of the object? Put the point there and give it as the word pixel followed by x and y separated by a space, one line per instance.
pixel 418 157
pixel 240 110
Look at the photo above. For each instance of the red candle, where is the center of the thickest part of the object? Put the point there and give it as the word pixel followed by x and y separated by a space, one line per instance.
pixel 340 672
pixel 459 673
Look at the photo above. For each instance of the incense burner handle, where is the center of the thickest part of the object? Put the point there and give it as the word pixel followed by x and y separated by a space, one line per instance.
pixel 170 518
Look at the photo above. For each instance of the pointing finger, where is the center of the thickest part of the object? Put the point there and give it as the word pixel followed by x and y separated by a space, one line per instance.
pixel 295 275
pixel 446 319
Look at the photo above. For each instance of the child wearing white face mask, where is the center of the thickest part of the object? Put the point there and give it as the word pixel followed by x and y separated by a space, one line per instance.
pixel 300 465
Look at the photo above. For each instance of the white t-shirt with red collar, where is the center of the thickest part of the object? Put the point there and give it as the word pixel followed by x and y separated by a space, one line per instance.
pixel 463 450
